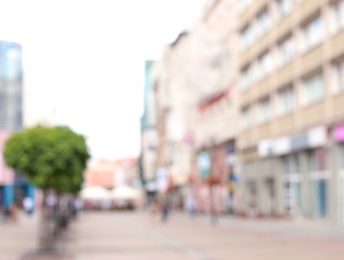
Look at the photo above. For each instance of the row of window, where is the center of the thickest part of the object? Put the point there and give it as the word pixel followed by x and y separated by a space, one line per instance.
pixel 283 7
pixel 285 103
pixel 312 90
pixel 263 21
pixel 312 33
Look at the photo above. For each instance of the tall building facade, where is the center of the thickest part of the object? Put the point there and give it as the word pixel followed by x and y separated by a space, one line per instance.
pixel 196 102
pixel 217 107
pixel 148 133
pixel 291 102
pixel 11 86
pixel 258 89
pixel 13 187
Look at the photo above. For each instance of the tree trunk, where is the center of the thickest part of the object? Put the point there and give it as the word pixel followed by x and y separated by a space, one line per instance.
pixel 46 226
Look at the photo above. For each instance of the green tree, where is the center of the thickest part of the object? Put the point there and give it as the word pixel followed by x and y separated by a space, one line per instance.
pixel 52 158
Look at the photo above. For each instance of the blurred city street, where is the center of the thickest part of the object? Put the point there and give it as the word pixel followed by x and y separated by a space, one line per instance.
pixel 122 235
pixel 199 129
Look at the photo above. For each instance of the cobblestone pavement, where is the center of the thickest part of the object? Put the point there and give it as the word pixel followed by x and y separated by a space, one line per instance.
pixel 139 236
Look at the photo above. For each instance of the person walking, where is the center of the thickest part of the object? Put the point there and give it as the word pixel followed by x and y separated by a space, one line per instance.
pixel 28 205
pixel 165 209
pixel 191 206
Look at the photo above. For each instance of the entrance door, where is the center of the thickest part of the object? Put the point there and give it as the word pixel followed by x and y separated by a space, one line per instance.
pixel 322 191
pixel 292 184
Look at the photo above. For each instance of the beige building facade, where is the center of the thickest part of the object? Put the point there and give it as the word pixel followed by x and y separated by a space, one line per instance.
pixel 258 86
pixel 291 80
pixel 216 105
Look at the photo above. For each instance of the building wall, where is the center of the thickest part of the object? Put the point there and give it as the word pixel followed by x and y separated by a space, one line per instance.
pixel 13 186
pixel 149 125
pixel 100 172
pixel 311 184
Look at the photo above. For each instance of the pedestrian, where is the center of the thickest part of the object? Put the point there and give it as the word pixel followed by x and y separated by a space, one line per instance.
pixel 77 206
pixel 165 210
pixel 28 205
pixel 191 206
pixel 154 209
pixel 11 213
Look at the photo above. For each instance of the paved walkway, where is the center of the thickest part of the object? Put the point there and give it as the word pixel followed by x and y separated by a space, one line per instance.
pixel 137 236
pixel 16 238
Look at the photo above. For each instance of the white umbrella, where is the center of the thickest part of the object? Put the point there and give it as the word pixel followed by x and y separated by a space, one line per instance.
pixel 95 193
pixel 124 192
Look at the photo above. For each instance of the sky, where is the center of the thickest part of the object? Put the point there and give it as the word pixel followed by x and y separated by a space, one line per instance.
pixel 84 62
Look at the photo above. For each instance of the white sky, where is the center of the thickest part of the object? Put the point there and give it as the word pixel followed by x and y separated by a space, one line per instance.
pixel 86 59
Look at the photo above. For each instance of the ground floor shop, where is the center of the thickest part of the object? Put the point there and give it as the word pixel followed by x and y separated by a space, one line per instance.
pixel 217 178
pixel 300 176
pixel 15 193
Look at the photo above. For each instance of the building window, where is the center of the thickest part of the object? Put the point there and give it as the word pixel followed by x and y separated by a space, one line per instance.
pixel 284 7
pixel 286 101
pixel 246 118
pixel 337 16
pixel 263 22
pixel 338 77
pixel 246 37
pixel 263 67
pixel 285 51
pixel 244 4
pixel 313 89
pixel 246 78
pixel 264 111
pixel 312 34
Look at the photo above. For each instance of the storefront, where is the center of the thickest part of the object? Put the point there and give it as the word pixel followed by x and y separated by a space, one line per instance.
pixel 303 170
pixel 218 178
pixel 338 134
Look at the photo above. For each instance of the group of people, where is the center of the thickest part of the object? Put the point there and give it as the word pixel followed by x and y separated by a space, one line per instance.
pixel 10 213
pixel 162 206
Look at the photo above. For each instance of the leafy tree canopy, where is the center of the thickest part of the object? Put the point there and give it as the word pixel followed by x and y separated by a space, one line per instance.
pixel 51 157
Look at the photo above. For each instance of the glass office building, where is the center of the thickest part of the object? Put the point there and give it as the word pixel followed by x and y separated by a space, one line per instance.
pixel 13 186
pixel 11 86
